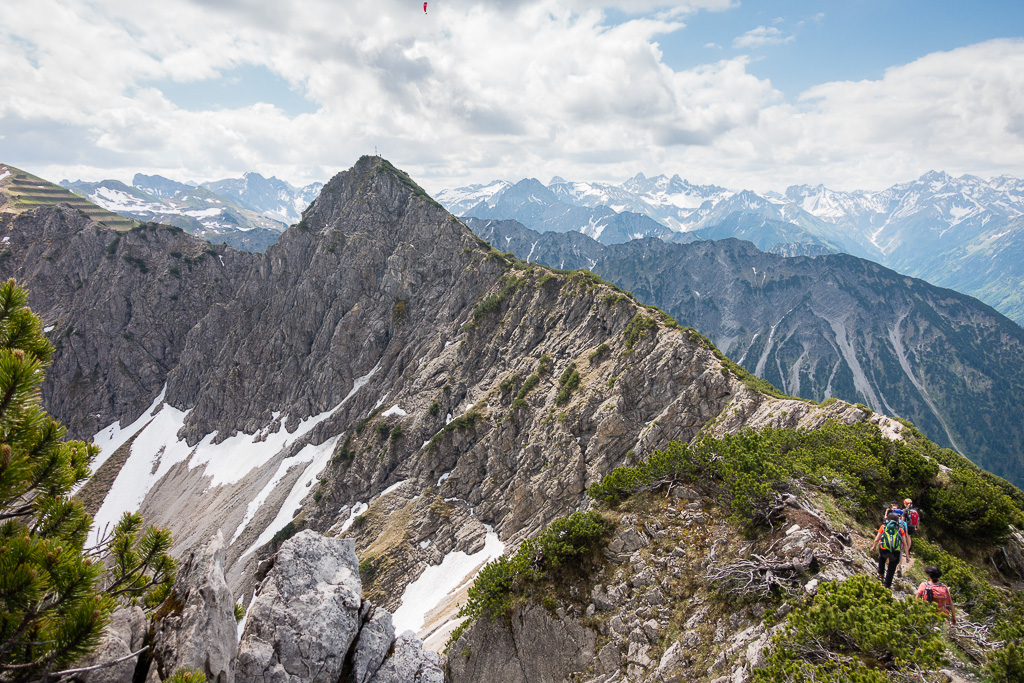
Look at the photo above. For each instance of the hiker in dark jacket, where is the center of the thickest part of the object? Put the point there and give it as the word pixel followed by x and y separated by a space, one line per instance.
pixel 892 543
pixel 933 591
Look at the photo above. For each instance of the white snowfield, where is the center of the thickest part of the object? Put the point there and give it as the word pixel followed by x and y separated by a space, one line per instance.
pixel 441 581
pixel 428 605
pixel 393 487
pixel 203 213
pixel 318 457
pixel 157 448
pixel 113 436
pixel 118 200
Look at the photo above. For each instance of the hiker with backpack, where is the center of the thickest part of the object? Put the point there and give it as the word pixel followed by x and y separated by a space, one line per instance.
pixel 911 516
pixel 885 515
pixel 933 591
pixel 892 543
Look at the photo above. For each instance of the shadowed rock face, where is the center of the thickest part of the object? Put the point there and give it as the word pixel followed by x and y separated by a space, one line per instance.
pixel 202 634
pixel 118 306
pixel 371 267
pixel 125 634
pixel 534 645
pixel 828 326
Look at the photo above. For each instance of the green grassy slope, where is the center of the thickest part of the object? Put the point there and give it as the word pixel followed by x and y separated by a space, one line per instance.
pixel 23 191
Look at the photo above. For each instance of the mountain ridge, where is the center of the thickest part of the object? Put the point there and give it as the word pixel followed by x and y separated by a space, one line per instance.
pixel 195 209
pixel 963 233
pixel 383 376
pixel 378 298
pixel 825 326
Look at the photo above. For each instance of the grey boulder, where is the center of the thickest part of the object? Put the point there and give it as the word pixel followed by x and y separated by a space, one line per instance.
pixel 306 615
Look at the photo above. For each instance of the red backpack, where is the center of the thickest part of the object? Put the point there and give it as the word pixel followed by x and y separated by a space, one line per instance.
pixel 939 594
pixel 912 518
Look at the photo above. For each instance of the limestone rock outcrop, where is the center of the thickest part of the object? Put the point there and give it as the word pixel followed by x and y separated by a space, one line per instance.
pixel 308 623
pixel 124 635
pixel 306 615
pixel 375 638
pixel 201 632
pixel 408 662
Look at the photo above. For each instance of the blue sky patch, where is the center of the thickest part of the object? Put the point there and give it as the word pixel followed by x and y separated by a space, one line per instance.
pixel 240 87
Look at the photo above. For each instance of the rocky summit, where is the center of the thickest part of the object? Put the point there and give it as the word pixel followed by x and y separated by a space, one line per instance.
pixel 343 431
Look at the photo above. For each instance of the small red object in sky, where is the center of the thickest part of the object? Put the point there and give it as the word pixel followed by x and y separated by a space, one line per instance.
pixel 424 8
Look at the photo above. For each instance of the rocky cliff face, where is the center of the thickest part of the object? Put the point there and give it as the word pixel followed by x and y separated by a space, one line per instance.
pixel 829 326
pixel 117 306
pixel 307 622
pixel 655 610
pixel 368 275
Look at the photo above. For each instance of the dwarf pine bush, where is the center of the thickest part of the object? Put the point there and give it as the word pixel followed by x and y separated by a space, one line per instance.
pixel 56 594
pixel 854 630
pixel 567 549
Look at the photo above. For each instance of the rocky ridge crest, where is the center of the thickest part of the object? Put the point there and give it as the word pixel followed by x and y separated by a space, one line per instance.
pixel 829 326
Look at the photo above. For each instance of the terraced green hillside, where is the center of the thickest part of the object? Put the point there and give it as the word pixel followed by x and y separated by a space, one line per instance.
pixel 21 191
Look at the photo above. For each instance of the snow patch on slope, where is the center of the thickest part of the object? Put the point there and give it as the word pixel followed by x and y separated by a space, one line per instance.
pixel 439 581
pixel 113 436
pixel 357 509
pixel 318 457
pixel 394 410
pixel 157 449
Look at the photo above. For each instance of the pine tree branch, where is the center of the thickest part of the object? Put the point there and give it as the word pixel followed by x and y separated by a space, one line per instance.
pixel 68 672
pixel 136 589
pixel 144 564
pixel 24 512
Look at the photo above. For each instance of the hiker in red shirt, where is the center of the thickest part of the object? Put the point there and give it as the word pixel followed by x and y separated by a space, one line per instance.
pixel 892 543
pixel 933 591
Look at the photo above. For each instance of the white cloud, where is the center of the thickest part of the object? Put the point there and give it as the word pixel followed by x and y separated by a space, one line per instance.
pixel 473 92
pixel 762 36
pixel 961 111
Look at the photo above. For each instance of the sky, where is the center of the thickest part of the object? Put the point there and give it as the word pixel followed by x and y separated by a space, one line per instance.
pixel 852 94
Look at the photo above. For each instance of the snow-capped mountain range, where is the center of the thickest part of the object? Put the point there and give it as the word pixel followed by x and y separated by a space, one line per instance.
pixel 271 197
pixel 248 213
pixel 965 233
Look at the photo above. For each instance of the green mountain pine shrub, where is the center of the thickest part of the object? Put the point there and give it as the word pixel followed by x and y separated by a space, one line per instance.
pixel 749 471
pixel 567 550
pixel 855 630
pixel 56 594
